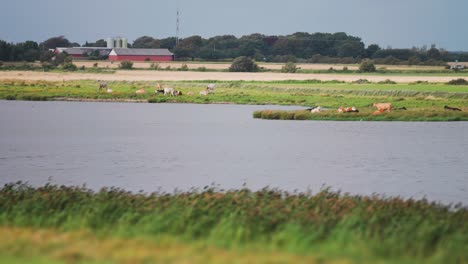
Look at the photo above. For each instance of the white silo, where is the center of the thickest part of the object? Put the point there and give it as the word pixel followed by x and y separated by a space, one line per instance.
pixel 124 43
pixel 110 43
pixel 118 43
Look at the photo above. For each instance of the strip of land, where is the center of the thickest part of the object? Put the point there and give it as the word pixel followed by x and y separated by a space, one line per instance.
pixel 144 75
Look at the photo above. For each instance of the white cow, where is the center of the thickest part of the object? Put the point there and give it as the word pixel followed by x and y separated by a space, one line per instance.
pixel 169 91
pixel 210 87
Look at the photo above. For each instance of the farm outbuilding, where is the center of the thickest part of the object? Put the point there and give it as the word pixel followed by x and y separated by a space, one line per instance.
pixel 83 52
pixel 121 54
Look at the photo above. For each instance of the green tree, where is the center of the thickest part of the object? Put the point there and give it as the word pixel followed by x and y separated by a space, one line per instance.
pixel 371 50
pixel 289 67
pixel 99 43
pixel 189 47
pixel 5 50
pixel 367 66
pixel 243 64
pixel 146 42
pixel 433 53
pixel 55 42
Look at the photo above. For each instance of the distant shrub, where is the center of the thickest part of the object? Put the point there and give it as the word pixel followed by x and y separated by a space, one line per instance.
pixel 126 65
pixel 68 66
pixel 95 65
pixel 459 81
pixel 202 69
pixel 345 68
pixel 361 81
pixel 46 66
pixel 367 66
pixel 184 67
pixel 243 64
pixel 289 67
pixel 10 97
pixel 155 66
pixel 387 81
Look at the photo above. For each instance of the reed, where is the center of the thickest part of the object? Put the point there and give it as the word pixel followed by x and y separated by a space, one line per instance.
pixel 385 228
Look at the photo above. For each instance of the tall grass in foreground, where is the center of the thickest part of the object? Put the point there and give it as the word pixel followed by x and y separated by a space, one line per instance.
pixel 328 222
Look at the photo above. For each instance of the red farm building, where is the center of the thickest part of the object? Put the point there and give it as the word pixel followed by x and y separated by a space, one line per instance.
pixel 122 54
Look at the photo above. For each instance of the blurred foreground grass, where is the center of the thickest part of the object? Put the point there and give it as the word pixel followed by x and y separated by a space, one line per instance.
pixel 73 224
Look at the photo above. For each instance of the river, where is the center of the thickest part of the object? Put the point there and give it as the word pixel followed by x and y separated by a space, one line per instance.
pixel 167 147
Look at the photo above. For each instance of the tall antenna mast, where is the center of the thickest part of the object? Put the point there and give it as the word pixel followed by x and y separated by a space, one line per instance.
pixel 177 27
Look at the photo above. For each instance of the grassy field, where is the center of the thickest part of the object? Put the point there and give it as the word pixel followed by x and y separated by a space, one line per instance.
pixel 74 225
pixel 425 101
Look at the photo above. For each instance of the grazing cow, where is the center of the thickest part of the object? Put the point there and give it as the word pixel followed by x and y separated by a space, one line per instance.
pixel 109 90
pixel 204 92
pixel 177 93
pixel 169 91
pixel 141 91
pixel 383 107
pixel 452 108
pixel 103 85
pixel 317 109
pixel 348 110
pixel 159 91
pixel 210 87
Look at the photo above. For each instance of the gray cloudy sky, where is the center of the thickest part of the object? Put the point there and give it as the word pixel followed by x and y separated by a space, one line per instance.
pixel 396 23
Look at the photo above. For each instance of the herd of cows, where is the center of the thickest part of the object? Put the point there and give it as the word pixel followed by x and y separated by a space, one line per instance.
pixel 381 107
pixel 103 86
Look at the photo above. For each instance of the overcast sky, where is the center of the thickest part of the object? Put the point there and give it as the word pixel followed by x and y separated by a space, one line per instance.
pixel 395 23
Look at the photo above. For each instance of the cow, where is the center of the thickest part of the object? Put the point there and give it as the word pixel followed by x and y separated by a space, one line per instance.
pixel 211 87
pixel 159 91
pixel 177 93
pixel 103 85
pixel 204 92
pixel 348 110
pixel 381 107
pixel 141 91
pixel 169 91
pixel 451 108
pixel 109 90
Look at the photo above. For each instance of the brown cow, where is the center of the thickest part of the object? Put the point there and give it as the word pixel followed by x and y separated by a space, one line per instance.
pixel 381 107
pixel 141 91
pixel 103 85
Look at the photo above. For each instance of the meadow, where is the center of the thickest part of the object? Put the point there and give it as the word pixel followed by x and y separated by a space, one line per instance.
pixel 76 225
pixel 425 101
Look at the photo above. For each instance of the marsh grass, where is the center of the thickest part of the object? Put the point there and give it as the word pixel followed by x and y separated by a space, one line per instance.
pixel 329 223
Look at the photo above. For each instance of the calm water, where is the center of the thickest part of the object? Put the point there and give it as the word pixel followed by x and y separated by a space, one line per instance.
pixel 165 147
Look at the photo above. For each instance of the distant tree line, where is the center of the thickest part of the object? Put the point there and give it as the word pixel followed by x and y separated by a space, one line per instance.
pixel 297 47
